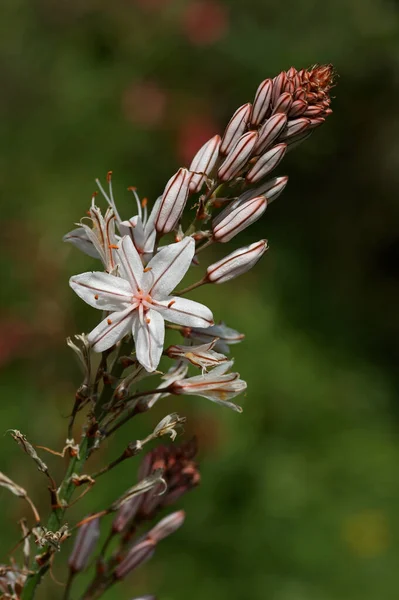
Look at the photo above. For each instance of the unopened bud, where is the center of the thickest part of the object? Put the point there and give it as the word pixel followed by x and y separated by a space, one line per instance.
pixel 266 163
pixel 238 156
pixel 167 526
pixel 261 103
pixel 239 218
pixel 294 127
pixel 279 83
pixel 126 513
pixel 173 201
pixel 85 543
pixel 298 107
pixel 316 122
pixel 283 103
pixel 203 163
pixel 296 140
pixel 238 262
pixel 235 128
pixel 271 189
pixel 136 556
pixel 269 131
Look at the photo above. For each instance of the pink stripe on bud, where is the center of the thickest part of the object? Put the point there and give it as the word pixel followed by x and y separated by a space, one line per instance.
pixel 173 201
pixel 283 103
pixel 266 163
pixel 136 556
pixel 203 163
pixel 126 513
pixel 234 220
pixel 85 543
pixel 238 262
pixel 298 107
pixel 313 111
pixel 316 122
pixel 294 127
pixel 262 101
pixel 269 131
pixel 235 128
pixel 167 526
pixel 238 156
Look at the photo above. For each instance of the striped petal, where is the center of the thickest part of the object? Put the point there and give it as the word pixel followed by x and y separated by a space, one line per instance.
pixel 130 263
pixel 185 312
pixel 102 290
pixel 111 330
pixel 168 267
pixel 149 335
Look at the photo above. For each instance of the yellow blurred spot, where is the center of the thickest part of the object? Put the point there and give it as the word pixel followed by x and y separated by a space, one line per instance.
pixel 366 533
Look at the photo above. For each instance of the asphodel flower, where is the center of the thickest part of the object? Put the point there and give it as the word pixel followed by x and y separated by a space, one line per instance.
pixel 139 300
pixel 203 356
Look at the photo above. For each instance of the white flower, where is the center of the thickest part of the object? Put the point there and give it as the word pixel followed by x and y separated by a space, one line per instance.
pixel 202 356
pixel 217 386
pixel 140 300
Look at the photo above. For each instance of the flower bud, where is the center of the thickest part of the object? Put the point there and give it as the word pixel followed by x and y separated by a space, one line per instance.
pixel 126 513
pixel 202 356
pixel 261 103
pixel 235 128
pixel 136 556
pixel 225 335
pixel 296 140
pixel 269 131
pixel 294 127
pixel 238 156
pixel 173 201
pixel 167 526
pixel 271 189
pixel 316 122
pixel 298 107
pixel 238 262
pixel 85 543
pixel 283 103
pixel 279 83
pixel 203 163
pixel 234 221
pixel 266 163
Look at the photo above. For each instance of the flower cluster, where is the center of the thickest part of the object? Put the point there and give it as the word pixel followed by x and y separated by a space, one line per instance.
pixel 144 260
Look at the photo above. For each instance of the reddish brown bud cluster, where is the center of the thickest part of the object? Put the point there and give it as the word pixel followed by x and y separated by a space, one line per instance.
pixel 180 472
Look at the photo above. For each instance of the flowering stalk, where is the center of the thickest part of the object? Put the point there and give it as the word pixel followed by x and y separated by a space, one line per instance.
pixel 134 288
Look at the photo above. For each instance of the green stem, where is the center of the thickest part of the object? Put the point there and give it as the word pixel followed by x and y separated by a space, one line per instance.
pixel 76 465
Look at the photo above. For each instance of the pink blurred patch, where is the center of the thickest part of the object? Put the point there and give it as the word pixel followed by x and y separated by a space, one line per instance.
pixel 144 103
pixel 15 339
pixel 152 5
pixel 205 22
pixel 193 133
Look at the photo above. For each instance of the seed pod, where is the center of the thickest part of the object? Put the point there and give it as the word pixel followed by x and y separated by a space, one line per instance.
pixel 238 156
pixel 136 556
pixel 235 128
pixel 203 163
pixel 266 163
pixel 85 543
pixel 238 262
pixel 167 526
pixel 262 101
pixel 269 131
pixel 239 218
pixel 173 201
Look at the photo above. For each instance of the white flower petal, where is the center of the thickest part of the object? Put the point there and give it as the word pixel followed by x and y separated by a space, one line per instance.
pixel 149 335
pixel 79 238
pixel 102 290
pixel 130 263
pixel 185 312
pixel 169 266
pixel 111 330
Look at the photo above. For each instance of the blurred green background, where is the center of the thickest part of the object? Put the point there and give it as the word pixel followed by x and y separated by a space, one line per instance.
pixel 299 496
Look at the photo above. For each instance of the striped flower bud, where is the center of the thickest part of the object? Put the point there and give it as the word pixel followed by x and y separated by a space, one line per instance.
pixel 235 128
pixel 230 222
pixel 85 543
pixel 203 163
pixel 269 131
pixel 294 127
pixel 283 103
pixel 279 83
pixel 136 556
pixel 167 526
pixel 298 107
pixel 262 101
pixel 266 163
pixel 173 201
pixel 126 513
pixel 238 156
pixel 271 189
pixel 238 262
